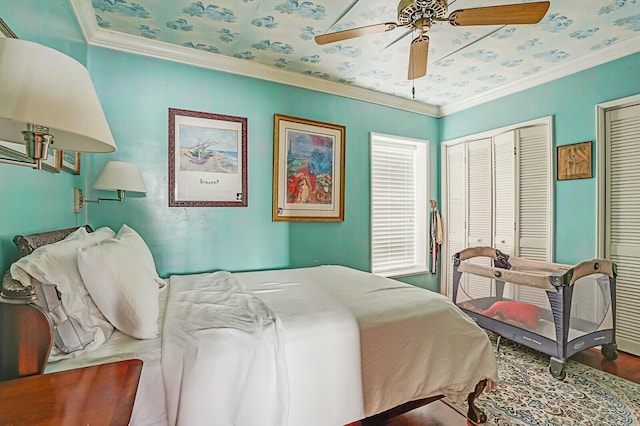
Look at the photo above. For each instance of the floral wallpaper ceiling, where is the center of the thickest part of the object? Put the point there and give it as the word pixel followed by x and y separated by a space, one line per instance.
pixel 464 62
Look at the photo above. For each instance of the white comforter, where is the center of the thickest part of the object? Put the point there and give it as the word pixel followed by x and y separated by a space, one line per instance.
pixel 332 343
pixel 222 359
pixel 410 343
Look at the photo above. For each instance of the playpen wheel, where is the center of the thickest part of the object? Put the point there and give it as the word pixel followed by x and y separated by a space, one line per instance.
pixel 556 368
pixel 560 375
pixel 609 351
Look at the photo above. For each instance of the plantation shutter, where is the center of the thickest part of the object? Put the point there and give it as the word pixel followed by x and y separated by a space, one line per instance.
pixel 622 243
pixel 480 215
pixel 534 231
pixel 392 206
pixel 455 220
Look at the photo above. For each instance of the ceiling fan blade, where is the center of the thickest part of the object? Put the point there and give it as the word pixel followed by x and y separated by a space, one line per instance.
pixel 523 13
pixel 418 57
pixel 355 32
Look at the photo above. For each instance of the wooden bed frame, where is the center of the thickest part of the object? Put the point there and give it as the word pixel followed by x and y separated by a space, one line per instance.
pixel 26 333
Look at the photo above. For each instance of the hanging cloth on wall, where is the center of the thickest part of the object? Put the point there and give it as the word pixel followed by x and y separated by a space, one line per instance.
pixel 436 237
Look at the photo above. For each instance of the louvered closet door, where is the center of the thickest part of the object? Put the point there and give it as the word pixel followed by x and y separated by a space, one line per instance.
pixel 534 188
pixel 533 226
pixel 455 221
pixel 622 241
pixel 479 209
pixel 503 196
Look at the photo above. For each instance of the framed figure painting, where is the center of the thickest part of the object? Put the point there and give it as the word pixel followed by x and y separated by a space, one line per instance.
pixel 308 170
pixel 574 161
pixel 207 159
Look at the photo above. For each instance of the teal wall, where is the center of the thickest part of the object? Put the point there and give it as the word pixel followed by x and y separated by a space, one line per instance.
pixel 349 242
pixel 136 93
pixel 30 200
pixel 571 101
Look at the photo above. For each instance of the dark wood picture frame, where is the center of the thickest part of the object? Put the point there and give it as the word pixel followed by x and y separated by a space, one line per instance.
pixel 207 159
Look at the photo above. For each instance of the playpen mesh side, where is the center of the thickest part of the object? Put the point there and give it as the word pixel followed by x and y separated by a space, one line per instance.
pixel 529 307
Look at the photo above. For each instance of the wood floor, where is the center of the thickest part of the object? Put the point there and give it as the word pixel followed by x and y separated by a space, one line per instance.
pixel 440 414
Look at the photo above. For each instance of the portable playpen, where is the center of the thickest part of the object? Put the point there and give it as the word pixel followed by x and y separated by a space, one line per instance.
pixel 556 309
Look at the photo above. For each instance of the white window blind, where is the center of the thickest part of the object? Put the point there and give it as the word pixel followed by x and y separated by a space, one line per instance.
pixel 398 206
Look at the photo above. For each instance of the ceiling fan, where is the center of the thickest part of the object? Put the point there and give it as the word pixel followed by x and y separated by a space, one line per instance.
pixel 419 15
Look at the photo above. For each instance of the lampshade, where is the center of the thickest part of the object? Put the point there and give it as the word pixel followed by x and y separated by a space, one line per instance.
pixel 119 176
pixel 43 87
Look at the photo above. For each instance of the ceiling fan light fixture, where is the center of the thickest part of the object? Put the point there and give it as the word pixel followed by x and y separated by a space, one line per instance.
pixel 410 11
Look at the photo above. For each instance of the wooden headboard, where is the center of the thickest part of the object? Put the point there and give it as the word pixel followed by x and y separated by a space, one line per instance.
pixel 26 331
pixel 28 243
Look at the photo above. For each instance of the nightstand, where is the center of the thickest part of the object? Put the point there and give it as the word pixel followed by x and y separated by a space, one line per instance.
pixel 96 395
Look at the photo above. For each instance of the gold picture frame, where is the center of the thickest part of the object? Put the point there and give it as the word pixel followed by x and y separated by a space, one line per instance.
pixel 574 161
pixel 308 170
pixel 207 159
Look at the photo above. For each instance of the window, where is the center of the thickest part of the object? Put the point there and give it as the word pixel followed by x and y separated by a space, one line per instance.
pixel 399 186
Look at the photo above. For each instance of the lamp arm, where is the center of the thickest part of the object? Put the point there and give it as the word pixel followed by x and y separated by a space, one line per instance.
pixel 79 200
pixel 36 164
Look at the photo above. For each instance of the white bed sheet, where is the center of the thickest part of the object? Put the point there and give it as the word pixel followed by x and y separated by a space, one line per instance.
pixel 223 360
pixel 150 406
pixel 322 347
pixel 330 314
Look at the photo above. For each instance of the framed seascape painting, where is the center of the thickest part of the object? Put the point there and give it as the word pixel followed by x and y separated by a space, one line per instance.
pixel 207 159
pixel 574 161
pixel 308 170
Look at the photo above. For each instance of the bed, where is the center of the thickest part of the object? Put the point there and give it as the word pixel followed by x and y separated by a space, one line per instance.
pixel 553 308
pixel 326 345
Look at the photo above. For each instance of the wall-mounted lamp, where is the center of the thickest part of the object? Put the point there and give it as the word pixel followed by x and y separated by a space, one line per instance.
pixel 47 98
pixel 116 176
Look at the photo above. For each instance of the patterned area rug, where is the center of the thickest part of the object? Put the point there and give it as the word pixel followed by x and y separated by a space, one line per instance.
pixel 529 395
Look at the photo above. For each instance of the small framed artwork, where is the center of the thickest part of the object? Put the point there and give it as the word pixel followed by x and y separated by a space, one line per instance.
pixel 574 161
pixel 71 162
pixel 19 152
pixel 53 163
pixel 308 170
pixel 207 159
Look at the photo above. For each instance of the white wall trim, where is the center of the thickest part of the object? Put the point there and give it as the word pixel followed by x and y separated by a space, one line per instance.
pixel 596 58
pixel 493 132
pixel 100 37
pixel 601 136
pixel 97 36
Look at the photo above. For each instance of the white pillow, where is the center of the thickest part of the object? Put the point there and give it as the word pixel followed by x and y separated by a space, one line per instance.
pixel 121 277
pixel 56 264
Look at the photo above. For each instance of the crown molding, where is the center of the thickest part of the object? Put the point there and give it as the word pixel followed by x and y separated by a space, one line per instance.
pixel 598 57
pixel 100 37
